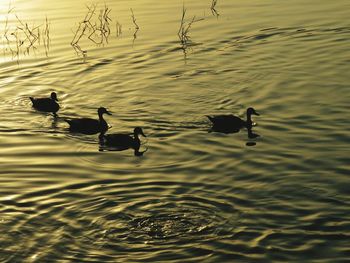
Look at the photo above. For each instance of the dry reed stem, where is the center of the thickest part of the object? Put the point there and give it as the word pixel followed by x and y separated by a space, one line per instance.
pixel 134 19
pixel 184 29
pixel 118 28
pixel 212 8
pixel 46 36
pixel 213 4
pixel 102 28
pixel 21 36
pixel 95 29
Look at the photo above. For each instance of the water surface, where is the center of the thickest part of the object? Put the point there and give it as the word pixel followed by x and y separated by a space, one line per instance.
pixel 193 196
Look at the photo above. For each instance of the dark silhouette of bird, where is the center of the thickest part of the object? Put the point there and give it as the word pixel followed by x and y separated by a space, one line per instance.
pixel 46 104
pixel 231 123
pixel 122 141
pixel 88 125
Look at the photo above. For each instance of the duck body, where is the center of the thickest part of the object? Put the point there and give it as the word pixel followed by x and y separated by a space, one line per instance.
pixel 231 123
pixel 88 125
pixel 46 104
pixel 226 123
pixel 122 141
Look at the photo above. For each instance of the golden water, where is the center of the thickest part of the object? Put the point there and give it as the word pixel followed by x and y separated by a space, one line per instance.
pixel 193 196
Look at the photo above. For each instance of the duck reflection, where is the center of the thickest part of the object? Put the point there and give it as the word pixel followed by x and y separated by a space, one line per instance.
pixel 251 135
pixel 54 122
pixel 122 141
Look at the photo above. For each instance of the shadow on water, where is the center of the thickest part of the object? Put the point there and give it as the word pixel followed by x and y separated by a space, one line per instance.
pixel 250 134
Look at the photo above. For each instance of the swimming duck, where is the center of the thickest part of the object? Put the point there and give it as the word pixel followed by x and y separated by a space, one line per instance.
pixel 231 123
pixel 88 125
pixel 46 104
pixel 122 141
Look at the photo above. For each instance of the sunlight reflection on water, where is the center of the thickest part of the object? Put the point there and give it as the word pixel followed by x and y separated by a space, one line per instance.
pixel 194 195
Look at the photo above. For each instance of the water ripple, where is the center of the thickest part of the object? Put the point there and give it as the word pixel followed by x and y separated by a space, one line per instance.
pixel 84 216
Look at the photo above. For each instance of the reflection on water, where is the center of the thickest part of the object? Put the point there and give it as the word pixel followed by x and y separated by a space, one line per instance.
pixel 194 196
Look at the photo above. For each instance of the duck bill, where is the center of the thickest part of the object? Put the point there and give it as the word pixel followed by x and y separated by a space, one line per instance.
pixel 108 112
pixel 256 113
pixel 142 134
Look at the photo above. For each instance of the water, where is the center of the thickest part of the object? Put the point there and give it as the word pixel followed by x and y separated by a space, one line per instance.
pixel 193 196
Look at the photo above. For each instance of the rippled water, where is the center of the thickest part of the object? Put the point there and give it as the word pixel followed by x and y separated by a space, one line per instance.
pixel 195 195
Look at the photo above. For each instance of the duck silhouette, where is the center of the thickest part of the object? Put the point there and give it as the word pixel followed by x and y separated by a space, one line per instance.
pixel 122 141
pixel 88 125
pixel 231 123
pixel 46 104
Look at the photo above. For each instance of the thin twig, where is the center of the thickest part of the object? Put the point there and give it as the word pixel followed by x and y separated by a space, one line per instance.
pixel 184 29
pixel 118 28
pixel 213 9
pixel 134 20
pixel 213 4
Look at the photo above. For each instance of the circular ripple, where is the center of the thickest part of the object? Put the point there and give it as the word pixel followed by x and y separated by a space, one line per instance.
pixel 167 220
pixel 111 217
pixel 186 224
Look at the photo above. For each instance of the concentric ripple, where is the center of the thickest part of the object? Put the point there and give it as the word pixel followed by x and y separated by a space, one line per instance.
pixel 101 217
pixel 170 222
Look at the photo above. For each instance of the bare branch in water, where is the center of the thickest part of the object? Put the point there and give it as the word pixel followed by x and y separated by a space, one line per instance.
pixel 134 20
pixel 184 29
pixel 96 29
pixel 213 9
pixel 46 36
pixel 21 37
pixel 118 28
pixel 213 4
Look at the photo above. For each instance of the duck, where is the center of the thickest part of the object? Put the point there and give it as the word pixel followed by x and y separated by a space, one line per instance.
pixel 46 104
pixel 90 126
pixel 122 141
pixel 231 123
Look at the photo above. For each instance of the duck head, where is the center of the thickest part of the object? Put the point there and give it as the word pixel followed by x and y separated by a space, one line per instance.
pixel 102 110
pixel 138 131
pixel 54 96
pixel 251 111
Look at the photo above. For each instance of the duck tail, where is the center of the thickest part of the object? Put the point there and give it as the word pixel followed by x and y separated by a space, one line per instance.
pixel 210 118
pixel 32 99
pixel 68 121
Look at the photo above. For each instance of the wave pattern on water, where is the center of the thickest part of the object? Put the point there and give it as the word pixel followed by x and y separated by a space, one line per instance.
pixel 162 220
pixel 83 217
pixel 193 196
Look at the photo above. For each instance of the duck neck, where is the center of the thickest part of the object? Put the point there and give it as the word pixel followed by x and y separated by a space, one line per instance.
pixel 137 140
pixel 249 119
pixel 103 123
pixel 136 137
pixel 100 117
